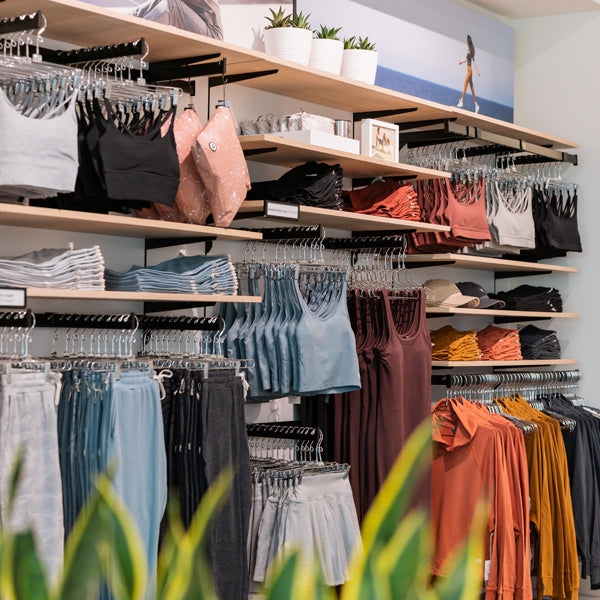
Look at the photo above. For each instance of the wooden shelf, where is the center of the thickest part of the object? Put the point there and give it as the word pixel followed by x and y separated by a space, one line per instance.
pixel 339 219
pixel 502 363
pixel 466 261
pixel 49 293
pixel 291 153
pixel 70 220
pixel 483 312
pixel 87 25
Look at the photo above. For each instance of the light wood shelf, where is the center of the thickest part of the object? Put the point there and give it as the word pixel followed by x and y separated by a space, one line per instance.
pixel 483 312
pixel 291 153
pixel 340 219
pixel 70 220
pixel 502 363
pixel 49 293
pixel 465 261
pixel 85 25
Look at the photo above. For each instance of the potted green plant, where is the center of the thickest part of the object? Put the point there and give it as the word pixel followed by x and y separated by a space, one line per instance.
pixel 327 50
pixel 359 60
pixel 288 37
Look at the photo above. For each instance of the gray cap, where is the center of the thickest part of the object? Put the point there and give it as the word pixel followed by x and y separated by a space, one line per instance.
pixel 471 288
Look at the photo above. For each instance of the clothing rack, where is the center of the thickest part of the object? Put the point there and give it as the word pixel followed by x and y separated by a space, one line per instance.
pixel 31 22
pixel 130 322
pixel 538 378
pixel 84 55
pixel 287 234
pixel 23 318
pixel 285 432
pixel 366 242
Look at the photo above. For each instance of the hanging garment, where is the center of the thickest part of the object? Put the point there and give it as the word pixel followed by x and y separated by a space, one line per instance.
pixel 63 268
pixel 204 433
pixel 186 274
pixel 222 166
pixel 28 422
pixel 43 151
pixel 551 513
pixel 371 425
pixel 478 455
pixel 106 420
pixel 311 184
pixel 290 335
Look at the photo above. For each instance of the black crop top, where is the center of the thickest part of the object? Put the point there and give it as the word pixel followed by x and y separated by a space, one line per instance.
pixel 139 167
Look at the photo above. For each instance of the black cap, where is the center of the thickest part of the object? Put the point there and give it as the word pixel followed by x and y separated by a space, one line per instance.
pixel 470 288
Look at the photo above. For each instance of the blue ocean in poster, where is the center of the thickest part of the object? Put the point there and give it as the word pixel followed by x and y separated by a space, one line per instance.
pixel 400 82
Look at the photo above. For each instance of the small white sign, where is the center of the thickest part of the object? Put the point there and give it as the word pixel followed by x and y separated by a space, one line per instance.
pixel 279 210
pixel 13 298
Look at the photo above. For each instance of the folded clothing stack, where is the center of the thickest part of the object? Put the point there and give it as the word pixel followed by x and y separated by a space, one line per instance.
pixel 63 268
pixel 451 344
pixel 539 344
pixel 185 275
pixel 386 198
pixel 497 343
pixel 311 184
pixel 531 297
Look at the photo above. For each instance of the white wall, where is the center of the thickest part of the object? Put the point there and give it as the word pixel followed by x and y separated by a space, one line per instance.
pixel 557 86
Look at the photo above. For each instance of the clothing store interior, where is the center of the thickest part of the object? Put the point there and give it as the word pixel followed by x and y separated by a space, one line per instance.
pixel 298 300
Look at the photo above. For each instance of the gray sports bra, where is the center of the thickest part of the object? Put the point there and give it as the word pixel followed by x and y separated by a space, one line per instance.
pixel 41 154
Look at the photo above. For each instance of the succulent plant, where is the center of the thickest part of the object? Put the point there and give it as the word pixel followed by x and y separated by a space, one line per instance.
pixel 365 44
pixel 350 43
pixel 279 19
pixel 300 21
pixel 327 33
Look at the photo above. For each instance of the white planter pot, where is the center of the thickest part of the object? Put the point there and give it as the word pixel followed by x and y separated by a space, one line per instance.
pixel 360 65
pixel 326 55
pixel 289 43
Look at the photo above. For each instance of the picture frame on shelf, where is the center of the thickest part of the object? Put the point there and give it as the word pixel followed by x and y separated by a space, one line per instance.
pixel 379 139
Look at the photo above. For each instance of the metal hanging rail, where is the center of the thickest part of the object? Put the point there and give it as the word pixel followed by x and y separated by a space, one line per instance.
pixel 538 378
pixel 32 22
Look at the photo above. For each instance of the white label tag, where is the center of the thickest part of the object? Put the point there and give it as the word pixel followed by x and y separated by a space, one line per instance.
pixel 282 211
pixel 13 298
pixel 488 567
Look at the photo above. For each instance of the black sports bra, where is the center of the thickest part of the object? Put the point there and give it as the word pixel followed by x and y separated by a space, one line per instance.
pixel 139 167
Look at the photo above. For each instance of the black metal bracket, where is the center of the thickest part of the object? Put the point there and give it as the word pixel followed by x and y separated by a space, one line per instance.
pixel 366 242
pixel 183 323
pixel 406 125
pixel 511 274
pixel 21 318
pixel 382 233
pixel 276 234
pixel 421 264
pixel 34 21
pixel 377 114
pixel 217 81
pixel 152 307
pixel 523 319
pixel 153 244
pixel 163 72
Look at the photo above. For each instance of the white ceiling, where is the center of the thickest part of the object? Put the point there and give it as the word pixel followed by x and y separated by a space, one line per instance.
pixel 521 9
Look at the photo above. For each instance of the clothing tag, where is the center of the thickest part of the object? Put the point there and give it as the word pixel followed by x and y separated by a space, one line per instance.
pixel 488 567
pixel 294 399
pixel 13 298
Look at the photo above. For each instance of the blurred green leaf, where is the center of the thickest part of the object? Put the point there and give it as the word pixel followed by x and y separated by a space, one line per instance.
pixel 28 573
pixel 383 518
pixel 14 478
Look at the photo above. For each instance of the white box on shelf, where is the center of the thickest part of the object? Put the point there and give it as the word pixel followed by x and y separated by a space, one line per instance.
pixel 323 139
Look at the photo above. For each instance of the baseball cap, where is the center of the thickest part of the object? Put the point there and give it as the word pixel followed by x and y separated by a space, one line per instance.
pixel 445 293
pixel 470 288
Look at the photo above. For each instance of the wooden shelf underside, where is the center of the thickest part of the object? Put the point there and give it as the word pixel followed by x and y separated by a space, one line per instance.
pixel 339 219
pixel 49 293
pixel 485 263
pixel 502 363
pixel 291 153
pixel 86 25
pixel 69 220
